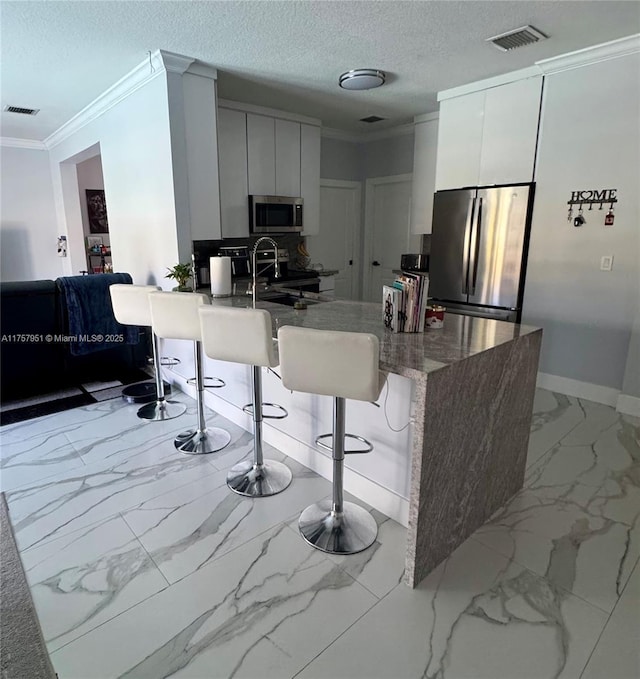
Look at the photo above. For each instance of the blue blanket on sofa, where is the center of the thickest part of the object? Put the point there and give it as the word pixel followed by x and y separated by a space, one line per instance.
pixel 91 324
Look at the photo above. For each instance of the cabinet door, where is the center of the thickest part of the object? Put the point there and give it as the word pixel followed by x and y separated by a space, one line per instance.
pixel 510 131
pixel 287 158
pixel 424 176
pixel 310 178
pixel 261 154
pixel 460 141
pixel 232 154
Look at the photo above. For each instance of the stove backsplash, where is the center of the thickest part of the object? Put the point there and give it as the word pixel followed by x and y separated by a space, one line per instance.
pixel 203 249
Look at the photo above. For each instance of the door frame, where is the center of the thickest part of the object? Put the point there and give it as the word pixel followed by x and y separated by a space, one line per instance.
pixel 367 254
pixel 356 273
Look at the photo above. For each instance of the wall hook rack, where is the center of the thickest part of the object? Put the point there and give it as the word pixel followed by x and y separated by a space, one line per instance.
pixel 590 198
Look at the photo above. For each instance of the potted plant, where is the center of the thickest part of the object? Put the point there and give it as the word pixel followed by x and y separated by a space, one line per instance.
pixel 180 273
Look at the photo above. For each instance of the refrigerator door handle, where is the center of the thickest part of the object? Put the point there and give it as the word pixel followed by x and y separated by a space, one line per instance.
pixel 465 249
pixel 475 247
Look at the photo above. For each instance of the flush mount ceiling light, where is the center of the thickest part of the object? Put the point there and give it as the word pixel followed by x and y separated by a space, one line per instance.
pixel 361 79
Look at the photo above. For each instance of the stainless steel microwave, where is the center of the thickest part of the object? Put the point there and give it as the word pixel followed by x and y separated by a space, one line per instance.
pixel 275 214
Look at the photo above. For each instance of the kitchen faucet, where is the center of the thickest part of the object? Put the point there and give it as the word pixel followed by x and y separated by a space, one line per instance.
pixel 254 266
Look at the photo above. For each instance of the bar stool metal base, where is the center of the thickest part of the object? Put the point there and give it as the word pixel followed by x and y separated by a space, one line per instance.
pixel 161 410
pixel 202 442
pixel 259 480
pixel 208 382
pixel 357 451
pixel 284 412
pixel 143 392
pixel 346 532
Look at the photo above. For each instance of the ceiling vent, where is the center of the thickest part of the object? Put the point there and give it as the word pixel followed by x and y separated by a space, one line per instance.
pixel 20 109
pixel 371 119
pixel 519 37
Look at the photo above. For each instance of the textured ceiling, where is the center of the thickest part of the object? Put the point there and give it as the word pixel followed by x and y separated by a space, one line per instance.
pixel 58 56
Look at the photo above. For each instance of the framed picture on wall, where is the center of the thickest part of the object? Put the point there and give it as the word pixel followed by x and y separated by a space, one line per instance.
pixel 94 242
pixel 97 210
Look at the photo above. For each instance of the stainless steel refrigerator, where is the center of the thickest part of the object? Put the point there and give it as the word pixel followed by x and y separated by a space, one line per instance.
pixel 479 247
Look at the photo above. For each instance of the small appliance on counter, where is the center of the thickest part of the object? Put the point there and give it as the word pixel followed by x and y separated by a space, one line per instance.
pixel 240 260
pixel 419 262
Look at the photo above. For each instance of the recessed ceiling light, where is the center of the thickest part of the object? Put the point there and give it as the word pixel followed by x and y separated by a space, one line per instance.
pixel 371 119
pixel 362 79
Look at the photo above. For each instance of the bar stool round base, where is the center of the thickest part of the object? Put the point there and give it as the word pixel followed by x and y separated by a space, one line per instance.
pixel 143 392
pixel 252 480
pixel 349 532
pixel 158 411
pixel 196 442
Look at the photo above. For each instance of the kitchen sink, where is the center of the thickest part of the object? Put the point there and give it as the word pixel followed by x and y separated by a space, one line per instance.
pixel 290 299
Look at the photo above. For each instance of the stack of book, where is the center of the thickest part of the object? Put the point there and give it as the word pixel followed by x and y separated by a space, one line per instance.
pixel 404 303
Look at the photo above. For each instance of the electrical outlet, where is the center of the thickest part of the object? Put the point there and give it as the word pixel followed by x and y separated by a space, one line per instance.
pixel 606 263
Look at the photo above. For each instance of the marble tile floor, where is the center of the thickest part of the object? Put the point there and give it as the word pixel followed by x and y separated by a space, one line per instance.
pixel 142 564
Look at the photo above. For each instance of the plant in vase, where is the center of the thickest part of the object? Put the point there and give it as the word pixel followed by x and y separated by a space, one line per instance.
pixel 180 273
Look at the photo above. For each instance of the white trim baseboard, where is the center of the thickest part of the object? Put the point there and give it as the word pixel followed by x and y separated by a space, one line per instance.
pixel 378 497
pixel 628 405
pixel 590 392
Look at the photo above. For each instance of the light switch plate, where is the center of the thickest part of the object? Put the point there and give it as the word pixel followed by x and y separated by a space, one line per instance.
pixel 606 263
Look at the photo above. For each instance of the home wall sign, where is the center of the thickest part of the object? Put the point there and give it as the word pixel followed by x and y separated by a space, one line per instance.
pixel 591 198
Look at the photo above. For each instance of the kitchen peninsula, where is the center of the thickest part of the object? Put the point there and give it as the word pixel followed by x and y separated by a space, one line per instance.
pixel 469 402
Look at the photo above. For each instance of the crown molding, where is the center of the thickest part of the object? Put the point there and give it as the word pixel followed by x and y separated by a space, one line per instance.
pixel 364 137
pixel 591 55
pixel 14 142
pixel 155 64
pixel 340 135
pixel 426 118
pixel 146 71
pixel 564 62
pixel 487 83
pixel 264 111
pixel 174 63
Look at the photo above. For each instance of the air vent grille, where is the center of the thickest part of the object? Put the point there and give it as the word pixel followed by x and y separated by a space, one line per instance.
pixel 519 37
pixel 371 119
pixel 22 110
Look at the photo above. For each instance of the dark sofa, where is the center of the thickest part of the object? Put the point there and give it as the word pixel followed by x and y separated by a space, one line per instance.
pixel 30 364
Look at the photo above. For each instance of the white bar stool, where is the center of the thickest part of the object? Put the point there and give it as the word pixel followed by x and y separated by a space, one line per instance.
pixel 244 336
pixel 131 307
pixel 175 316
pixel 343 365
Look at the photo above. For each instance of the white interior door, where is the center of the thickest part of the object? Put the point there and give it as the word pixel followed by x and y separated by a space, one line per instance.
pixel 336 245
pixel 387 231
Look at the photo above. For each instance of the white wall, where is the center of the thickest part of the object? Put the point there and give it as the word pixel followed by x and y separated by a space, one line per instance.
pixel 135 146
pixel 28 225
pixel 590 139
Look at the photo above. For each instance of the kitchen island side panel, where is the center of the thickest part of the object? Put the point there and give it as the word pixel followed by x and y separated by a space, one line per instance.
pixel 469 457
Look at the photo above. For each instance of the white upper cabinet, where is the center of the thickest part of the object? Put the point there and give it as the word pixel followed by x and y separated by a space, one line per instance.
pixel 489 137
pixel 511 114
pixel 460 141
pixel 264 155
pixel 287 147
pixel 424 175
pixel 310 178
pixel 261 154
pixel 234 191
